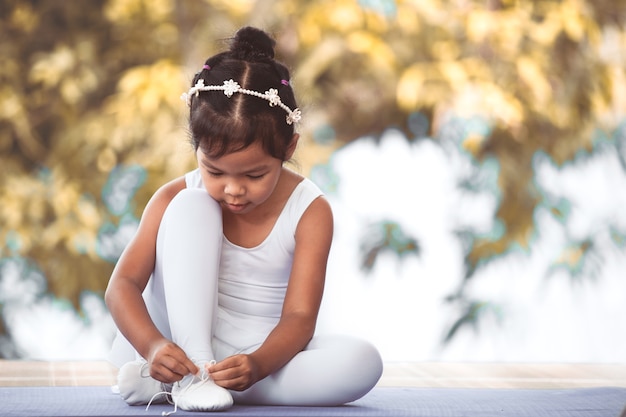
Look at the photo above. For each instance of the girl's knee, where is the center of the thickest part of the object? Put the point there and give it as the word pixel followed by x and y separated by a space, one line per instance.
pixel 356 356
pixel 194 197
pixel 360 365
pixel 191 218
pixel 194 205
pixel 367 356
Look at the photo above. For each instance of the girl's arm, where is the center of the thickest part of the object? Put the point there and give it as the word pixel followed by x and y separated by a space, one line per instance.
pixel 123 296
pixel 300 309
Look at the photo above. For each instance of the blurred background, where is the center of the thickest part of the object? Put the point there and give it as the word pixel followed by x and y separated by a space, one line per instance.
pixel 474 152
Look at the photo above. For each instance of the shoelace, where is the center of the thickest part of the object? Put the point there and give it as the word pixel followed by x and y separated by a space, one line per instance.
pixel 203 377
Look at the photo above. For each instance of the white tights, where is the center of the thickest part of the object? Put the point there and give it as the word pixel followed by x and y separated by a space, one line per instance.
pixel 182 301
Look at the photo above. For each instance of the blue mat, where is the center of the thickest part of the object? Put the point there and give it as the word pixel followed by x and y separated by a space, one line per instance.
pixel 380 402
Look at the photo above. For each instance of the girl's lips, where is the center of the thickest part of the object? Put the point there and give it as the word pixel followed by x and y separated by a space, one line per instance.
pixel 235 207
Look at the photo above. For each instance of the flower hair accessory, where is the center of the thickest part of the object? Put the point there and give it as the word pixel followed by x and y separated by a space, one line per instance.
pixel 231 87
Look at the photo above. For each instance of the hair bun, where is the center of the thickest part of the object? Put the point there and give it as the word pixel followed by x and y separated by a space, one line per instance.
pixel 252 44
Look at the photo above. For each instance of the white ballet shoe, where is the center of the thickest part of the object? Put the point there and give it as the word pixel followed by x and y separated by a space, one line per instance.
pixel 136 387
pixel 200 393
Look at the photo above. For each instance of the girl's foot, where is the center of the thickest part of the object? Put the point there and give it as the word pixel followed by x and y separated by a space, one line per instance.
pixel 200 393
pixel 136 387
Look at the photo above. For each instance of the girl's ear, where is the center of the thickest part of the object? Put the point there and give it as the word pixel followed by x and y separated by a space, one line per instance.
pixel 292 146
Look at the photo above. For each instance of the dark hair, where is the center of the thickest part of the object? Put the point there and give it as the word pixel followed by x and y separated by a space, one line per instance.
pixel 220 125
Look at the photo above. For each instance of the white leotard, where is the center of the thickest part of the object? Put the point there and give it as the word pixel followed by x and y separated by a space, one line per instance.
pixel 253 281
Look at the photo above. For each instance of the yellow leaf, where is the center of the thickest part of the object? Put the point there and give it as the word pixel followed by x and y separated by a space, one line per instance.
pixel 345 16
pixel 24 17
pixel 532 75
pixel 70 91
pixel 88 215
pixel 309 34
pixel 407 20
pixel 545 32
pixel 571 19
pixel 158 9
pixel 473 142
pixel 376 22
pixel 152 10
pixel 477 68
pixel 107 159
pixel 511 31
pixel 445 50
pixel 145 89
pixel 409 87
pixel 120 10
pixel 50 68
pixel 433 11
pixel 10 105
pixel 480 24
pixel 11 213
pixel 572 255
pixel 455 73
pixel 378 51
pixel 490 100
pixel 65 195
pixel 36 210
pixel 236 7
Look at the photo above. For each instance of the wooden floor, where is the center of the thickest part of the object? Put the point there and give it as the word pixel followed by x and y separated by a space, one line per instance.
pixel 507 375
pixel 426 374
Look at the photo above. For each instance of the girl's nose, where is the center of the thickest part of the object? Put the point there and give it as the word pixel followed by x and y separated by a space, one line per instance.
pixel 234 188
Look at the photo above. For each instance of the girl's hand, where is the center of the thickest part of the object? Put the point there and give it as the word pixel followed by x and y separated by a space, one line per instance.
pixel 169 363
pixel 238 372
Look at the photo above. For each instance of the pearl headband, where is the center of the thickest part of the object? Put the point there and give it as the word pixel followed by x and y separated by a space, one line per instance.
pixel 230 87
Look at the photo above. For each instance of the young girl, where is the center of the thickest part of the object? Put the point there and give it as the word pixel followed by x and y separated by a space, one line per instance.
pixel 219 291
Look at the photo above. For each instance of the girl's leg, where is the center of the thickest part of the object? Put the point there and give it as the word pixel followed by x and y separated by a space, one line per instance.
pixel 182 300
pixel 332 370
pixel 190 241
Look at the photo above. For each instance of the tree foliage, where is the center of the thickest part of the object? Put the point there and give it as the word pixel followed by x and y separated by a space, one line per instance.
pixel 91 87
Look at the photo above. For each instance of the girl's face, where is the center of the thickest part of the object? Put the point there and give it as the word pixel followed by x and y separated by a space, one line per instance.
pixel 242 180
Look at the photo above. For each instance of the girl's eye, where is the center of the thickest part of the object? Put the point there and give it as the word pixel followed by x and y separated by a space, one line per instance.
pixel 214 174
pixel 256 177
